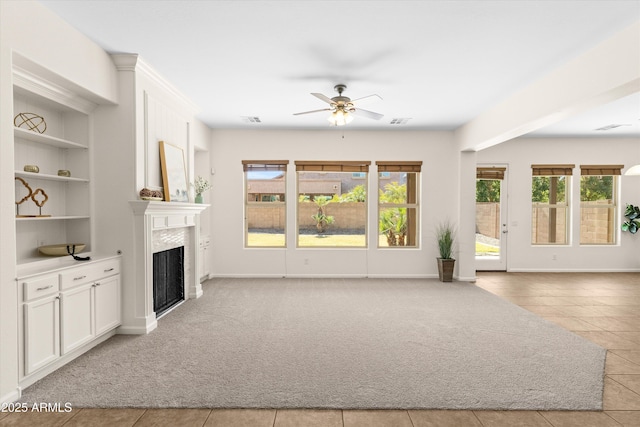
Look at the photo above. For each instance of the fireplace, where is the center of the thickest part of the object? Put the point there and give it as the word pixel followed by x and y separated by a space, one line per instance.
pixel 159 227
pixel 168 279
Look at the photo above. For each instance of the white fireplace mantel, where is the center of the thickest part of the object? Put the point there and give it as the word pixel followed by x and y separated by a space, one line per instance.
pixel 151 217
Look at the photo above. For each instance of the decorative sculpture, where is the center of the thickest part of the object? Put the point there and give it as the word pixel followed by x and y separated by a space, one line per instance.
pixel 31 121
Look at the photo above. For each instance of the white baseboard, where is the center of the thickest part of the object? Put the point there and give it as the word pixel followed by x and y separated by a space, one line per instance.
pixel 149 325
pixel 573 270
pixel 12 396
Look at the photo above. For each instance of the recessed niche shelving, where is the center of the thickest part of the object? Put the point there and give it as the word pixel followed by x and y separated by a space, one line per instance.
pixel 64 145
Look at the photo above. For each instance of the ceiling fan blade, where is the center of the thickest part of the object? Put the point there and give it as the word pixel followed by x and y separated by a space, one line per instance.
pixel 323 98
pixel 367 113
pixel 312 111
pixel 369 98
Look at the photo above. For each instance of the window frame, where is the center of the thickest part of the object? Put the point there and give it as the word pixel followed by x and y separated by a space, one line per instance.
pixel 553 171
pixel 613 171
pixel 265 166
pixel 413 207
pixel 335 166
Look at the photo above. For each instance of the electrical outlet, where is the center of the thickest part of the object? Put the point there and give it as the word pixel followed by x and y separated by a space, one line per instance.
pixel 554 257
pixel 306 261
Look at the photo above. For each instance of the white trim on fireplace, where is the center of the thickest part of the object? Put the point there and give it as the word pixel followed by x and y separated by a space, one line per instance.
pixel 149 216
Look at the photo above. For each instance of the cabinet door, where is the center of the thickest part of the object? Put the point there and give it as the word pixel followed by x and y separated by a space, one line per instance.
pixel 107 304
pixel 200 261
pixel 76 317
pixel 41 333
pixel 205 262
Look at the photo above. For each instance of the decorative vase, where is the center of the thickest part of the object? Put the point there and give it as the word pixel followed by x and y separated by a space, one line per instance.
pixel 198 198
pixel 445 269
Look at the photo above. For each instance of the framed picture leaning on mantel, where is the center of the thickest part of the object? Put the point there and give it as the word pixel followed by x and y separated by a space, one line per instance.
pixel 174 174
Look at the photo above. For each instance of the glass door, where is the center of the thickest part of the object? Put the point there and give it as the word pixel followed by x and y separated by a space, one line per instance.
pixel 491 218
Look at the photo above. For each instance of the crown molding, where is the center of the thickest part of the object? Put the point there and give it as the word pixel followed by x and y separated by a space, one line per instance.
pixel 134 63
pixel 35 83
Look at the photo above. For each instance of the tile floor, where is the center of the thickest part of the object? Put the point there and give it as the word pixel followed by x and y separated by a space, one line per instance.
pixel 603 308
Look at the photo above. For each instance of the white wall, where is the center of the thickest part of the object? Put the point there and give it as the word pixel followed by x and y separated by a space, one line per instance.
pixel 64 56
pixel 438 200
pixel 520 154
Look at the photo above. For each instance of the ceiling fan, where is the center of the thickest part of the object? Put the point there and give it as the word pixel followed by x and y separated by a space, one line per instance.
pixel 342 108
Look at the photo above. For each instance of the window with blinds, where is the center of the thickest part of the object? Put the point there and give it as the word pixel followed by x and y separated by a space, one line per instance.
pixel 398 203
pixel 265 203
pixel 332 203
pixel 599 204
pixel 550 214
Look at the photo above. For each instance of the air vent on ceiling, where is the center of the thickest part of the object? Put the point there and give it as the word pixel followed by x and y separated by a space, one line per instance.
pixel 251 119
pixel 609 127
pixel 399 121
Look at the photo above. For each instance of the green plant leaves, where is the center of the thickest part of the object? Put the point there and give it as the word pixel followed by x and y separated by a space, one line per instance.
pixel 632 224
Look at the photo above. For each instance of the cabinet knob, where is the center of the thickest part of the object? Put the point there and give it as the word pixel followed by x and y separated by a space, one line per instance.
pixel 79 277
pixel 108 270
pixel 44 287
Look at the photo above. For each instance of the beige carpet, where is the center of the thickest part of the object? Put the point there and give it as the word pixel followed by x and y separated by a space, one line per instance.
pixel 338 343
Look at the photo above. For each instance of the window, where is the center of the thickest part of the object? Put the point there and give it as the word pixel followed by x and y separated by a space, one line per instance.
pixel 550 204
pixel 598 204
pixel 398 190
pixel 332 208
pixel 265 208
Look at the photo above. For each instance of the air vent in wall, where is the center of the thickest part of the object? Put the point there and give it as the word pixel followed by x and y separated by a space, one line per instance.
pixel 399 121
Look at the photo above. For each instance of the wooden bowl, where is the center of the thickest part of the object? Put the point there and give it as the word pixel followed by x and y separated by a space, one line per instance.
pixel 60 249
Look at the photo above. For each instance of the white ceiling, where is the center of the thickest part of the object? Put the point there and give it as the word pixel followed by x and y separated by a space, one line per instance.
pixel 439 63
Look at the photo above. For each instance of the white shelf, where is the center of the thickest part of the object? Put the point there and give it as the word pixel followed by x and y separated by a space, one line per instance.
pixel 33 175
pixel 45 139
pixel 52 218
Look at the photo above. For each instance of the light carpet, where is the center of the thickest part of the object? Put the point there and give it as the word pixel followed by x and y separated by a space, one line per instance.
pixel 338 343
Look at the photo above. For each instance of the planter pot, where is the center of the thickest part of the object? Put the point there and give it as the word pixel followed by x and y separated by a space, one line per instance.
pixel 198 198
pixel 445 269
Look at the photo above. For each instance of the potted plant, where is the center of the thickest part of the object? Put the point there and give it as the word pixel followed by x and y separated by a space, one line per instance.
pixel 445 237
pixel 632 223
pixel 200 186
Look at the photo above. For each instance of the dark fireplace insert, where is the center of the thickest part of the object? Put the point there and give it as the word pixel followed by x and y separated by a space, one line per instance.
pixel 168 279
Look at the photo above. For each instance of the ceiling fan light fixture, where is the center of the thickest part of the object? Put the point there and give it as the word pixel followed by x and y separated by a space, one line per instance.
pixel 340 117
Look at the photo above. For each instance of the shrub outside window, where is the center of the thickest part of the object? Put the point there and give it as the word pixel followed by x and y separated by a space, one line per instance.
pixel 398 191
pixel 332 203
pixel 598 204
pixel 265 204
pixel 550 204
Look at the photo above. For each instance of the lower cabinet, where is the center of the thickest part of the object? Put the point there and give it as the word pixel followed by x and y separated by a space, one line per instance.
pixel 203 254
pixel 76 317
pixel 41 333
pixel 107 304
pixel 66 311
